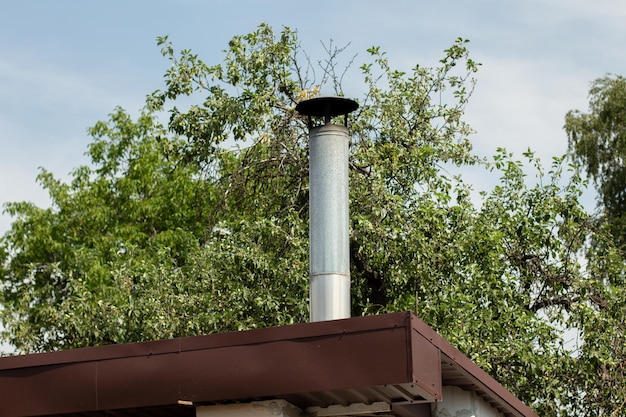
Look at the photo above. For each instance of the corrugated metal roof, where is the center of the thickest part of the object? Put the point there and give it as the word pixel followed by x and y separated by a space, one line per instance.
pixel 393 358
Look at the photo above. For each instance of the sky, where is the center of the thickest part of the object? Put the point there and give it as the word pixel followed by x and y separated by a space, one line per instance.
pixel 66 64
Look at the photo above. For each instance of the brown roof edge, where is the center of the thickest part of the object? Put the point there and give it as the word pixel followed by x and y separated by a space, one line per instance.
pixel 185 344
pixel 481 379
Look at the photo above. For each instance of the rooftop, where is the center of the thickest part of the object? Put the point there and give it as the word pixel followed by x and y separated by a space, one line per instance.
pixel 394 359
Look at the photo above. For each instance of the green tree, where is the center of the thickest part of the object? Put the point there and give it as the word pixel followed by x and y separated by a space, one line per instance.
pixel 200 225
pixel 597 140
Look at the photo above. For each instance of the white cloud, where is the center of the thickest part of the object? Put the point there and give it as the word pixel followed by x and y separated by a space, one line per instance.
pixel 520 104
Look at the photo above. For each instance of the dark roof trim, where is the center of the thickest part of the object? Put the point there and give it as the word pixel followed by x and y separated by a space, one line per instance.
pixel 478 380
pixel 394 358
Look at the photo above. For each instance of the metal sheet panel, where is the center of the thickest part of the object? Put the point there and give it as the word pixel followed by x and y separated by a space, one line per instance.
pixel 40 390
pixel 268 369
pixel 426 365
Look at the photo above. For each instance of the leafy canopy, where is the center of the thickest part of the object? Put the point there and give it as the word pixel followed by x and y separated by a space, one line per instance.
pixel 597 140
pixel 192 218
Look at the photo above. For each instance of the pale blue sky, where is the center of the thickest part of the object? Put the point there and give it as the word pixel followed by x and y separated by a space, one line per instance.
pixel 66 64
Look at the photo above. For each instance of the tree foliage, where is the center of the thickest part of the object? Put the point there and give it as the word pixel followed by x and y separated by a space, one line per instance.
pixel 597 140
pixel 199 225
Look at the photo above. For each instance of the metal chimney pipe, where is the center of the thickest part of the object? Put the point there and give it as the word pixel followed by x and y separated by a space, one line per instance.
pixel 329 250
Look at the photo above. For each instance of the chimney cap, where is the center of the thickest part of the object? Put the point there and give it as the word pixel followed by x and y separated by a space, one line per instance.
pixel 326 106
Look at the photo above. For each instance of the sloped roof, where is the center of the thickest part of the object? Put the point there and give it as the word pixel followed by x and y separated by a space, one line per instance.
pixel 393 358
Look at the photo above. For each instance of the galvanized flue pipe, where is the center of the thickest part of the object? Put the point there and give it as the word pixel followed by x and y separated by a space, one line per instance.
pixel 329 251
